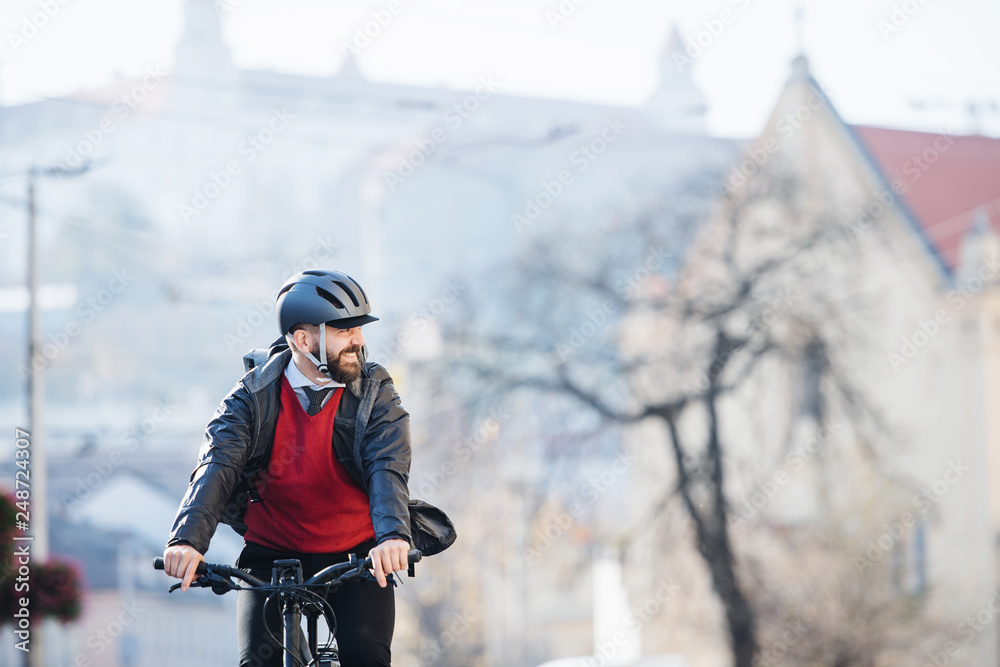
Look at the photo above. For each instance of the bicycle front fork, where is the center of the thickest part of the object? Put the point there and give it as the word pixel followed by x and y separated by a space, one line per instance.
pixel 290 572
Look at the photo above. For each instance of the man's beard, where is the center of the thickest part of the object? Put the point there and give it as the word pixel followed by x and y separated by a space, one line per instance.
pixel 342 371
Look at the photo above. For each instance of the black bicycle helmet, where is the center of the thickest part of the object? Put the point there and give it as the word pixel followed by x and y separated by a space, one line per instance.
pixel 324 298
pixel 317 296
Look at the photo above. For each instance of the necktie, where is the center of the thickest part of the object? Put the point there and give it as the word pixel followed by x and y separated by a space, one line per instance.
pixel 316 397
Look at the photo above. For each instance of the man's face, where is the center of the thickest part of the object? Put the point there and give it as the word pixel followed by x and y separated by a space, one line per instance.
pixel 343 349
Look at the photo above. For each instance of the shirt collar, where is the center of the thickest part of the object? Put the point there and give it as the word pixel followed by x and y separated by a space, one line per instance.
pixel 297 379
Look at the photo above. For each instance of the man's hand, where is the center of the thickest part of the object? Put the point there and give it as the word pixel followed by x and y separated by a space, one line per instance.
pixel 390 556
pixel 181 560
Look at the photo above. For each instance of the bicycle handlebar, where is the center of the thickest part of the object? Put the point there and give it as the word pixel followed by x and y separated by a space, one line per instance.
pixel 321 577
pixel 330 572
pixel 217 568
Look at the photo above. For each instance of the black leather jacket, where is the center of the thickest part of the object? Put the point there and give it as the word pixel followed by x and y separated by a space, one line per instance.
pixel 371 439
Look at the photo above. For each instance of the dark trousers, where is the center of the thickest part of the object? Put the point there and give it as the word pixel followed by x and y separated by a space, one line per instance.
pixel 365 612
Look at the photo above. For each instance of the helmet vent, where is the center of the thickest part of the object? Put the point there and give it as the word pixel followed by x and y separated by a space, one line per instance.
pixel 321 274
pixel 363 295
pixel 349 291
pixel 331 298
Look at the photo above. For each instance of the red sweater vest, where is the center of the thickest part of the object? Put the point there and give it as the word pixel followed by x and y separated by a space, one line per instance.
pixel 310 503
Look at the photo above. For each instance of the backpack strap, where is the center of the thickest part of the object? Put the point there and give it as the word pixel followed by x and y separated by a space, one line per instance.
pixel 254 358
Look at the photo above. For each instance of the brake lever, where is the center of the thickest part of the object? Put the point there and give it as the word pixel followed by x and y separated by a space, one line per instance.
pixel 219 584
pixel 366 575
pixel 199 582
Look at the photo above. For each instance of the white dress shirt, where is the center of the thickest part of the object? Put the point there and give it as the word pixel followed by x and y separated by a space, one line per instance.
pixel 299 381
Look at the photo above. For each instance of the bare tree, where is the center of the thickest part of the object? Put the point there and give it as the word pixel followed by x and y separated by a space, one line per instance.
pixel 615 322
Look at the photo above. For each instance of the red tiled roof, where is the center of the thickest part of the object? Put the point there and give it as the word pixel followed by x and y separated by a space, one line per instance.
pixel 946 179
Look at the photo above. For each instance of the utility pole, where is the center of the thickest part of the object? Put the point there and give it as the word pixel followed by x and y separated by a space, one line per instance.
pixel 36 401
pixel 36 391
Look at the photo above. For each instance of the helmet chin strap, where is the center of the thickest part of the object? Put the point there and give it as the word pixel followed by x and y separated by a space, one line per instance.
pixel 320 363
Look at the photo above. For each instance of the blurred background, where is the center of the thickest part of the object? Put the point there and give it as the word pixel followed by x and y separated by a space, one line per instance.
pixel 694 307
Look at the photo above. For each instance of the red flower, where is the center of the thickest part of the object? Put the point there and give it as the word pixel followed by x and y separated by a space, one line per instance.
pixel 53 588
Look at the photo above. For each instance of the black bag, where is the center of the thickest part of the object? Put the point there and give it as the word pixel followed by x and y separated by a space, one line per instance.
pixel 431 529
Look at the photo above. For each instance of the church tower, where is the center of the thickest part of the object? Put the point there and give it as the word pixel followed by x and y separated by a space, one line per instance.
pixel 677 104
pixel 201 52
pixel 204 74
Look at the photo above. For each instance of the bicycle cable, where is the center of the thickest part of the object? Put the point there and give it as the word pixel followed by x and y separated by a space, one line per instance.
pixel 328 615
pixel 271 637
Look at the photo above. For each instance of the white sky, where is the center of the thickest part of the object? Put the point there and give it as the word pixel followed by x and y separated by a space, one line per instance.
pixel 946 54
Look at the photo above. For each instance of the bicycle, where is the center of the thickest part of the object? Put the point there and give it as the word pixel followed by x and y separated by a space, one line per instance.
pixel 298 598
